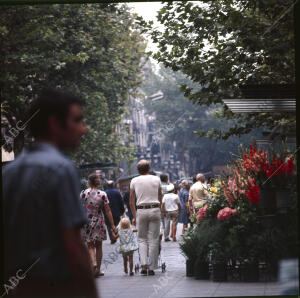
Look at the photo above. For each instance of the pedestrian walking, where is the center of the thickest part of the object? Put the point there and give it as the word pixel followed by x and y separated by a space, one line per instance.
pixel 198 193
pixel 184 203
pixel 41 206
pixel 94 232
pixel 164 182
pixel 128 243
pixel 145 190
pixel 126 198
pixel 171 209
pixel 116 205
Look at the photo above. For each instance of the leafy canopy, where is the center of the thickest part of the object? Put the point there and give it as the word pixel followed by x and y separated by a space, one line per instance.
pixel 221 45
pixel 92 50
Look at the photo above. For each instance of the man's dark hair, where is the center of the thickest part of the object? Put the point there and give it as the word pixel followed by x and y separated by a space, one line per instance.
pixel 110 184
pixel 49 102
pixel 163 178
pixel 194 179
pixel 93 179
pixel 143 167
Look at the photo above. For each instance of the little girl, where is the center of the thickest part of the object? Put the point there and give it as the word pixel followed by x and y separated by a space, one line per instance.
pixel 128 243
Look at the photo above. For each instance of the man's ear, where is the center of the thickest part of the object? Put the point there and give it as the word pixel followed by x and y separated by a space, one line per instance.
pixel 54 125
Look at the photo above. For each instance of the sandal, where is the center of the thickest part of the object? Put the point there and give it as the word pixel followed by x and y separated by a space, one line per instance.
pixel 144 270
pixel 151 272
pixel 98 273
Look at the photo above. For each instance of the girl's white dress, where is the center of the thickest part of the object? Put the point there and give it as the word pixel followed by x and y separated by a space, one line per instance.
pixel 128 241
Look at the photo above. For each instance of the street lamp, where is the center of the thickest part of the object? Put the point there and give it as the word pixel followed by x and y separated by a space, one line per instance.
pixel 148 154
pixel 178 168
pixel 166 164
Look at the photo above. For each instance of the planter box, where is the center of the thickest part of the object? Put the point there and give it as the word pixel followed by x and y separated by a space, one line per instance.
pixel 219 271
pixel 250 272
pixel 267 221
pixel 267 203
pixel 190 267
pixel 201 270
pixel 282 198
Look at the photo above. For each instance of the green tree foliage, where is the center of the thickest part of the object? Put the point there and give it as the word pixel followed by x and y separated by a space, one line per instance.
pixel 177 119
pixel 224 44
pixel 92 50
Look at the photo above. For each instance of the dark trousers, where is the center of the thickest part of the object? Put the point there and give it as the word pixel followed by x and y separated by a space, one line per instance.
pixel 116 222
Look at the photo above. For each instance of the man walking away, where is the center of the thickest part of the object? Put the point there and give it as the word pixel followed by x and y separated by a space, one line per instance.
pixel 42 210
pixel 126 198
pixel 198 193
pixel 116 205
pixel 171 209
pixel 146 191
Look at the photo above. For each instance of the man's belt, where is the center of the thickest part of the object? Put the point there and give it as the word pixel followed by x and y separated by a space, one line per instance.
pixel 148 206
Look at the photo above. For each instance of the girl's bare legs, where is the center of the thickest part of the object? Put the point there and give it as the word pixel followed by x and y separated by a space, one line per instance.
pixel 91 249
pixel 99 255
pixel 174 228
pixel 125 264
pixel 131 263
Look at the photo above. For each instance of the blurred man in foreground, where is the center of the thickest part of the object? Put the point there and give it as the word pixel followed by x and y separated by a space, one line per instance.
pixel 42 210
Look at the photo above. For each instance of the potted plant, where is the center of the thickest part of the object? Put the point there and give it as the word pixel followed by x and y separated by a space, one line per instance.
pixel 250 270
pixel 188 247
pixel 281 173
pixel 219 261
pixel 203 236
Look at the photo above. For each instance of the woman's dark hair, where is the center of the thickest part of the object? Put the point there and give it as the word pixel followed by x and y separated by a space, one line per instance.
pixel 163 178
pixel 49 102
pixel 94 180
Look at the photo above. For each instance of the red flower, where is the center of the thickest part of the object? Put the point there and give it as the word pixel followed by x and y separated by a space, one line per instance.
pixel 253 195
pixel 226 213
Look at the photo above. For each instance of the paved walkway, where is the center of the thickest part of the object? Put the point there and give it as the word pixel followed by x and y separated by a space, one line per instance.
pixel 172 283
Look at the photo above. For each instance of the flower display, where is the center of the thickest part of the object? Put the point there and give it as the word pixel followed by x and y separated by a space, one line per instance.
pixel 254 171
pixel 242 209
pixel 193 217
pixel 214 190
pixel 254 160
pixel 253 194
pixel 201 213
pixel 226 213
pixel 280 167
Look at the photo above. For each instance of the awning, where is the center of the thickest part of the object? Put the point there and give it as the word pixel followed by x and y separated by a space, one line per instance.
pixel 261 105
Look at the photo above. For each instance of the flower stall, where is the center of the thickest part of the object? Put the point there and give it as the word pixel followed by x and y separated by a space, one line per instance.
pixel 249 221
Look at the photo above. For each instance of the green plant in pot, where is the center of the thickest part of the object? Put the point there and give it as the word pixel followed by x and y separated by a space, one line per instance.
pixel 281 174
pixel 188 247
pixel 219 258
pixel 243 240
pixel 203 233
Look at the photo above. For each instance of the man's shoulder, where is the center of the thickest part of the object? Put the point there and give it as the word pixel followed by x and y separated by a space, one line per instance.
pixel 197 184
pixel 112 191
pixel 135 179
pixel 193 186
pixel 156 178
pixel 167 195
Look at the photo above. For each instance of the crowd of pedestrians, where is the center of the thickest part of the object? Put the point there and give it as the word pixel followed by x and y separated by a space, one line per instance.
pixel 56 230
pixel 153 204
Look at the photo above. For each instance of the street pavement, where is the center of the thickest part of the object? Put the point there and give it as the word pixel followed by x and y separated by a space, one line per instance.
pixel 173 282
